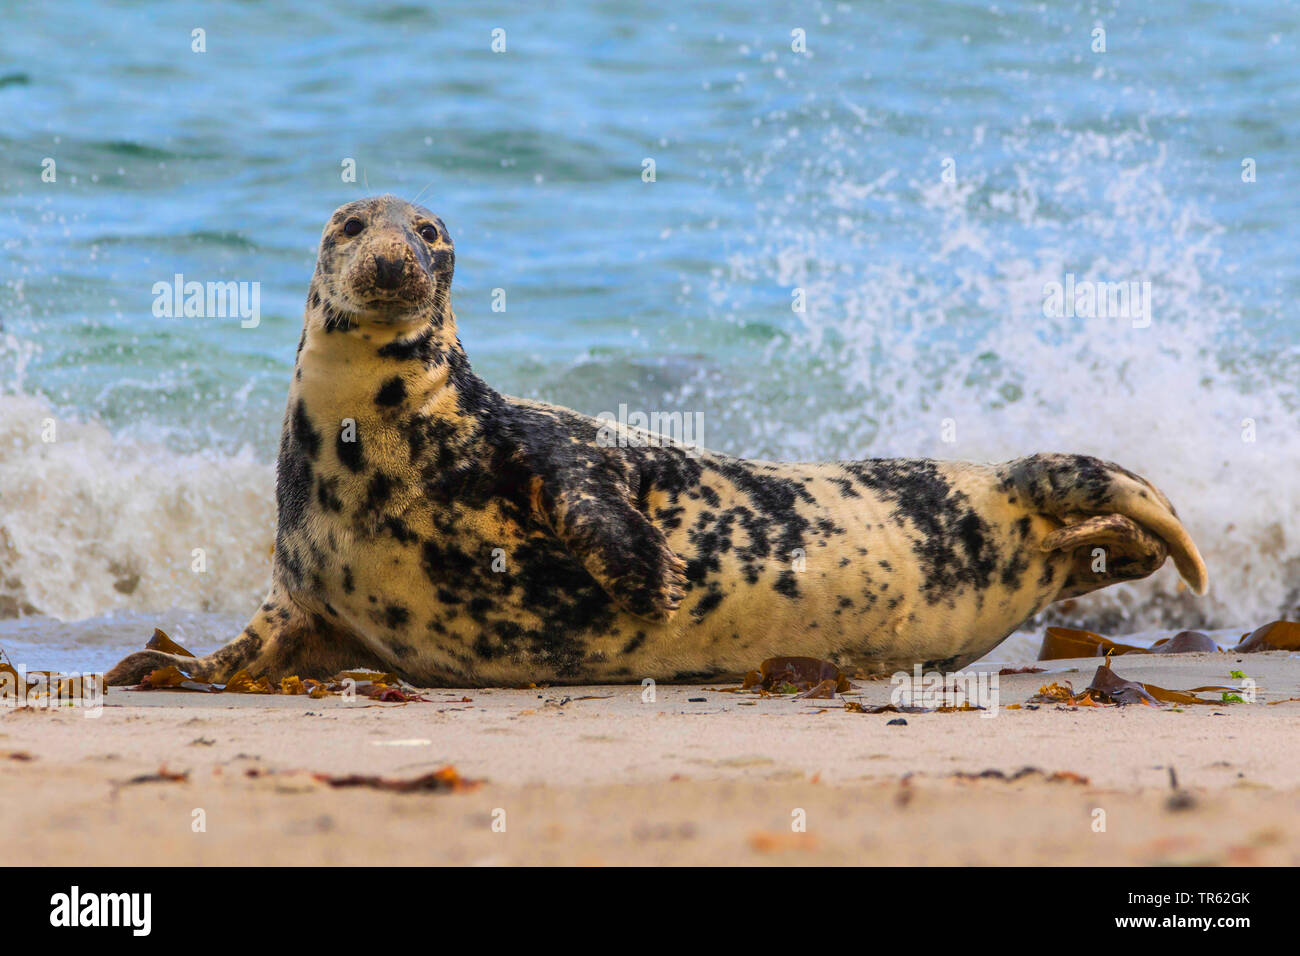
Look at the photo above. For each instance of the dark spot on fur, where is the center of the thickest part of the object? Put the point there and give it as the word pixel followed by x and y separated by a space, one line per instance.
pixel 786 584
pixel 349 452
pixel 391 393
pixel 378 492
pixel 306 436
pixel 707 603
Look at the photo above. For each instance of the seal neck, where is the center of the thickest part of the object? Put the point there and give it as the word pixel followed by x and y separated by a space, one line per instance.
pixel 368 371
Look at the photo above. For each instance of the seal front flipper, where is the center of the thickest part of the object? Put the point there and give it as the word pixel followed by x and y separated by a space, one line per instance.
pixel 215 668
pixel 282 640
pixel 627 555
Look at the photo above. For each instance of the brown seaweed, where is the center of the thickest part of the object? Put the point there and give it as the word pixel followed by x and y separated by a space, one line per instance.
pixel 443 780
pixel 823 691
pixel 1059 776
pixel 856 707
pixel 173 678
pixel 1064 642
pixel 376 685
pixel 45 684
pixel 161 642
pixel 1112 688
pixel 1107 687
pixel 1277 636
pixel 1185 642
pixel 790 675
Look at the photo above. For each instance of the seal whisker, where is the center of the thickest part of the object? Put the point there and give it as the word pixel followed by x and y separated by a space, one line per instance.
pixel 417 196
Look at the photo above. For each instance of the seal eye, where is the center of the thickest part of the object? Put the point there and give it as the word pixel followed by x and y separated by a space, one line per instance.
pixel 353 226
pixel 428 233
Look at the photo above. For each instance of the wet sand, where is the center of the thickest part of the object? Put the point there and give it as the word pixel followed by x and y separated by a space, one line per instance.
pixel 597 775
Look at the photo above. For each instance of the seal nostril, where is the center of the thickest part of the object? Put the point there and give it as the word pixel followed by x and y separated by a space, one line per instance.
pixel 388 272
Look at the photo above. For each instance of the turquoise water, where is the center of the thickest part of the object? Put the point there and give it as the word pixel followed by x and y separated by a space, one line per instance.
pixel 775 171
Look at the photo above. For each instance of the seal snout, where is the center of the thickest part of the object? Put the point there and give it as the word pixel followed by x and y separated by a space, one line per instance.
pixel 389 271
pixel 386 270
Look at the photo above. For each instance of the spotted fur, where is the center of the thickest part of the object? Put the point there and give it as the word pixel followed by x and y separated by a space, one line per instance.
pixel 431 526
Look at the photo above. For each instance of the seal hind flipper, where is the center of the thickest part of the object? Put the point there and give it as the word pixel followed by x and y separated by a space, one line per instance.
pixel 1146 504
pixel 617 545
pixel 1070 487
pixel 1130 551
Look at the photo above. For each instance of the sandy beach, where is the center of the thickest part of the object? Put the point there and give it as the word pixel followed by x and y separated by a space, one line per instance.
pixel 599 776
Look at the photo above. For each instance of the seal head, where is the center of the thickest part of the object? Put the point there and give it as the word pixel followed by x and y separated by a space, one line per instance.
pixel 383 262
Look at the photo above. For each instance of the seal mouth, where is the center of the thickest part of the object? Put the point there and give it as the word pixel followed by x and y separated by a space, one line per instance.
pixel 392 314
pixel 387 311
pixel 385 302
